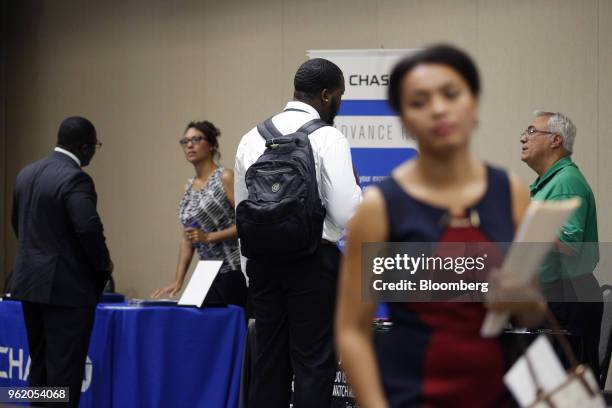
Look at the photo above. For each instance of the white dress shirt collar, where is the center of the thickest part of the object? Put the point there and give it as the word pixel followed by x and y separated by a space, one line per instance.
pixel 69 154
pixel 302 106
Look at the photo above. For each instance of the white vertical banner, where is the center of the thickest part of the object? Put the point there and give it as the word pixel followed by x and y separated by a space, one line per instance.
pixel 378 141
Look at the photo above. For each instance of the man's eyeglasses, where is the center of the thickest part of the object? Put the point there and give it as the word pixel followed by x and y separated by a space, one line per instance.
pixel 194 140
pixel 531 130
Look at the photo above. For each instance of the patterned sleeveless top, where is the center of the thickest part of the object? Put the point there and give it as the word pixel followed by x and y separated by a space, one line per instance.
pixel 210 209
pixel 434 354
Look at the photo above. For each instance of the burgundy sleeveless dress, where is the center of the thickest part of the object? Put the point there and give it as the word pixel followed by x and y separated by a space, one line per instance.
pixel 434 355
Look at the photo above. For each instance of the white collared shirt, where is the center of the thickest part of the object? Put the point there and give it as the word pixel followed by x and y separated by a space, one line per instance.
pixel 338 188
pixel 69 154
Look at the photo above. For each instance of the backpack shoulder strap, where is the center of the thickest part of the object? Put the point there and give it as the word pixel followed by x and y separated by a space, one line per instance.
pixel 311 126
pixel 268 131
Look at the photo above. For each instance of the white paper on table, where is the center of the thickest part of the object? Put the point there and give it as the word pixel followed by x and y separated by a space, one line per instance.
pixel 542 223
pixel 546 366
pixel 200 283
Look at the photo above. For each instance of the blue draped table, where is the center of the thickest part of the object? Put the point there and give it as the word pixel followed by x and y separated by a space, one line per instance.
pixel 145 356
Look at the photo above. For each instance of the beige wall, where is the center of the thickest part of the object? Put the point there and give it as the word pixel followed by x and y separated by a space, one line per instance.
pixel 140 70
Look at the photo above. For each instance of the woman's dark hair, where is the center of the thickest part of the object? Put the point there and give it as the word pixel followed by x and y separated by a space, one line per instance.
pixel 436 54
pixel 315 75
pixel 211 132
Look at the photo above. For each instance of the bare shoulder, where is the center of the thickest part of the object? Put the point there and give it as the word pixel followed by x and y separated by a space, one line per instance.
pixel 370 224
pixel 187 184
pixel 227 176
pixel 518 188
pixel 373 199
pixel 403 170
pixel 404 175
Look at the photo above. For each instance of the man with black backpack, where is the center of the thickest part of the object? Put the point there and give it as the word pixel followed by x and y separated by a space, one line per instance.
pixel 295 191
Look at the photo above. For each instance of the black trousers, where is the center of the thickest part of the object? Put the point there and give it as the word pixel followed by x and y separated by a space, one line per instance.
pixel 229 289
pixel 577 305
pixel 583 320
pixel 58 339
pixel 294 305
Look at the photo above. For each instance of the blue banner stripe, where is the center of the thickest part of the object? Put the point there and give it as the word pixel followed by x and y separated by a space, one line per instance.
pixel 372 161
pixel 365 107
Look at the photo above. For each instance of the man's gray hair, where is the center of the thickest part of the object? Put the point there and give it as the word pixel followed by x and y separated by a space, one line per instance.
pixel 561 124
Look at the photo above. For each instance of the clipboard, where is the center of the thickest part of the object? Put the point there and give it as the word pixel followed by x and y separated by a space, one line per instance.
pixel 542 223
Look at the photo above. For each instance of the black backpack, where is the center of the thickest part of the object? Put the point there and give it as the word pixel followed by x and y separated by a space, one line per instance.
pixel 282 218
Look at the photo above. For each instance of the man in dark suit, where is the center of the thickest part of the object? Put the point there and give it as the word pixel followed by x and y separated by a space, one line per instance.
pixel 62 262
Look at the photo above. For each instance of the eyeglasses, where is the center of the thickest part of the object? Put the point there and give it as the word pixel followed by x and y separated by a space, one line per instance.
pixel 531 130
pixel 194 140
pixel 98 145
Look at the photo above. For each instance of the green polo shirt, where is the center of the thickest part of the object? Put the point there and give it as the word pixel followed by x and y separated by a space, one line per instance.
pixel 561 181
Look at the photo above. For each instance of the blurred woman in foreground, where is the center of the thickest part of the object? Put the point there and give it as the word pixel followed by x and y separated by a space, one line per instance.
pixel 434 354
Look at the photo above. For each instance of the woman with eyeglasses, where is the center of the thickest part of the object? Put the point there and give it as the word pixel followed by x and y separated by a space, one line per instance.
pixel 433 356
pixel 206 212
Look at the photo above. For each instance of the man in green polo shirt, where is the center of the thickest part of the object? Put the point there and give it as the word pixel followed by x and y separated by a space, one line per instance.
pixel 567 273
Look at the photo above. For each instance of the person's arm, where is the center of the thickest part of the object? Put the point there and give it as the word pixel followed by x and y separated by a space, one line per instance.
pixel 240 194
pixel 565 249
pixel 80 201
pixel 228 185
pixel 340 192
pixel 240 191
pixel 572 233
pixel 184 260
pixel 216 236
pixel 353 315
